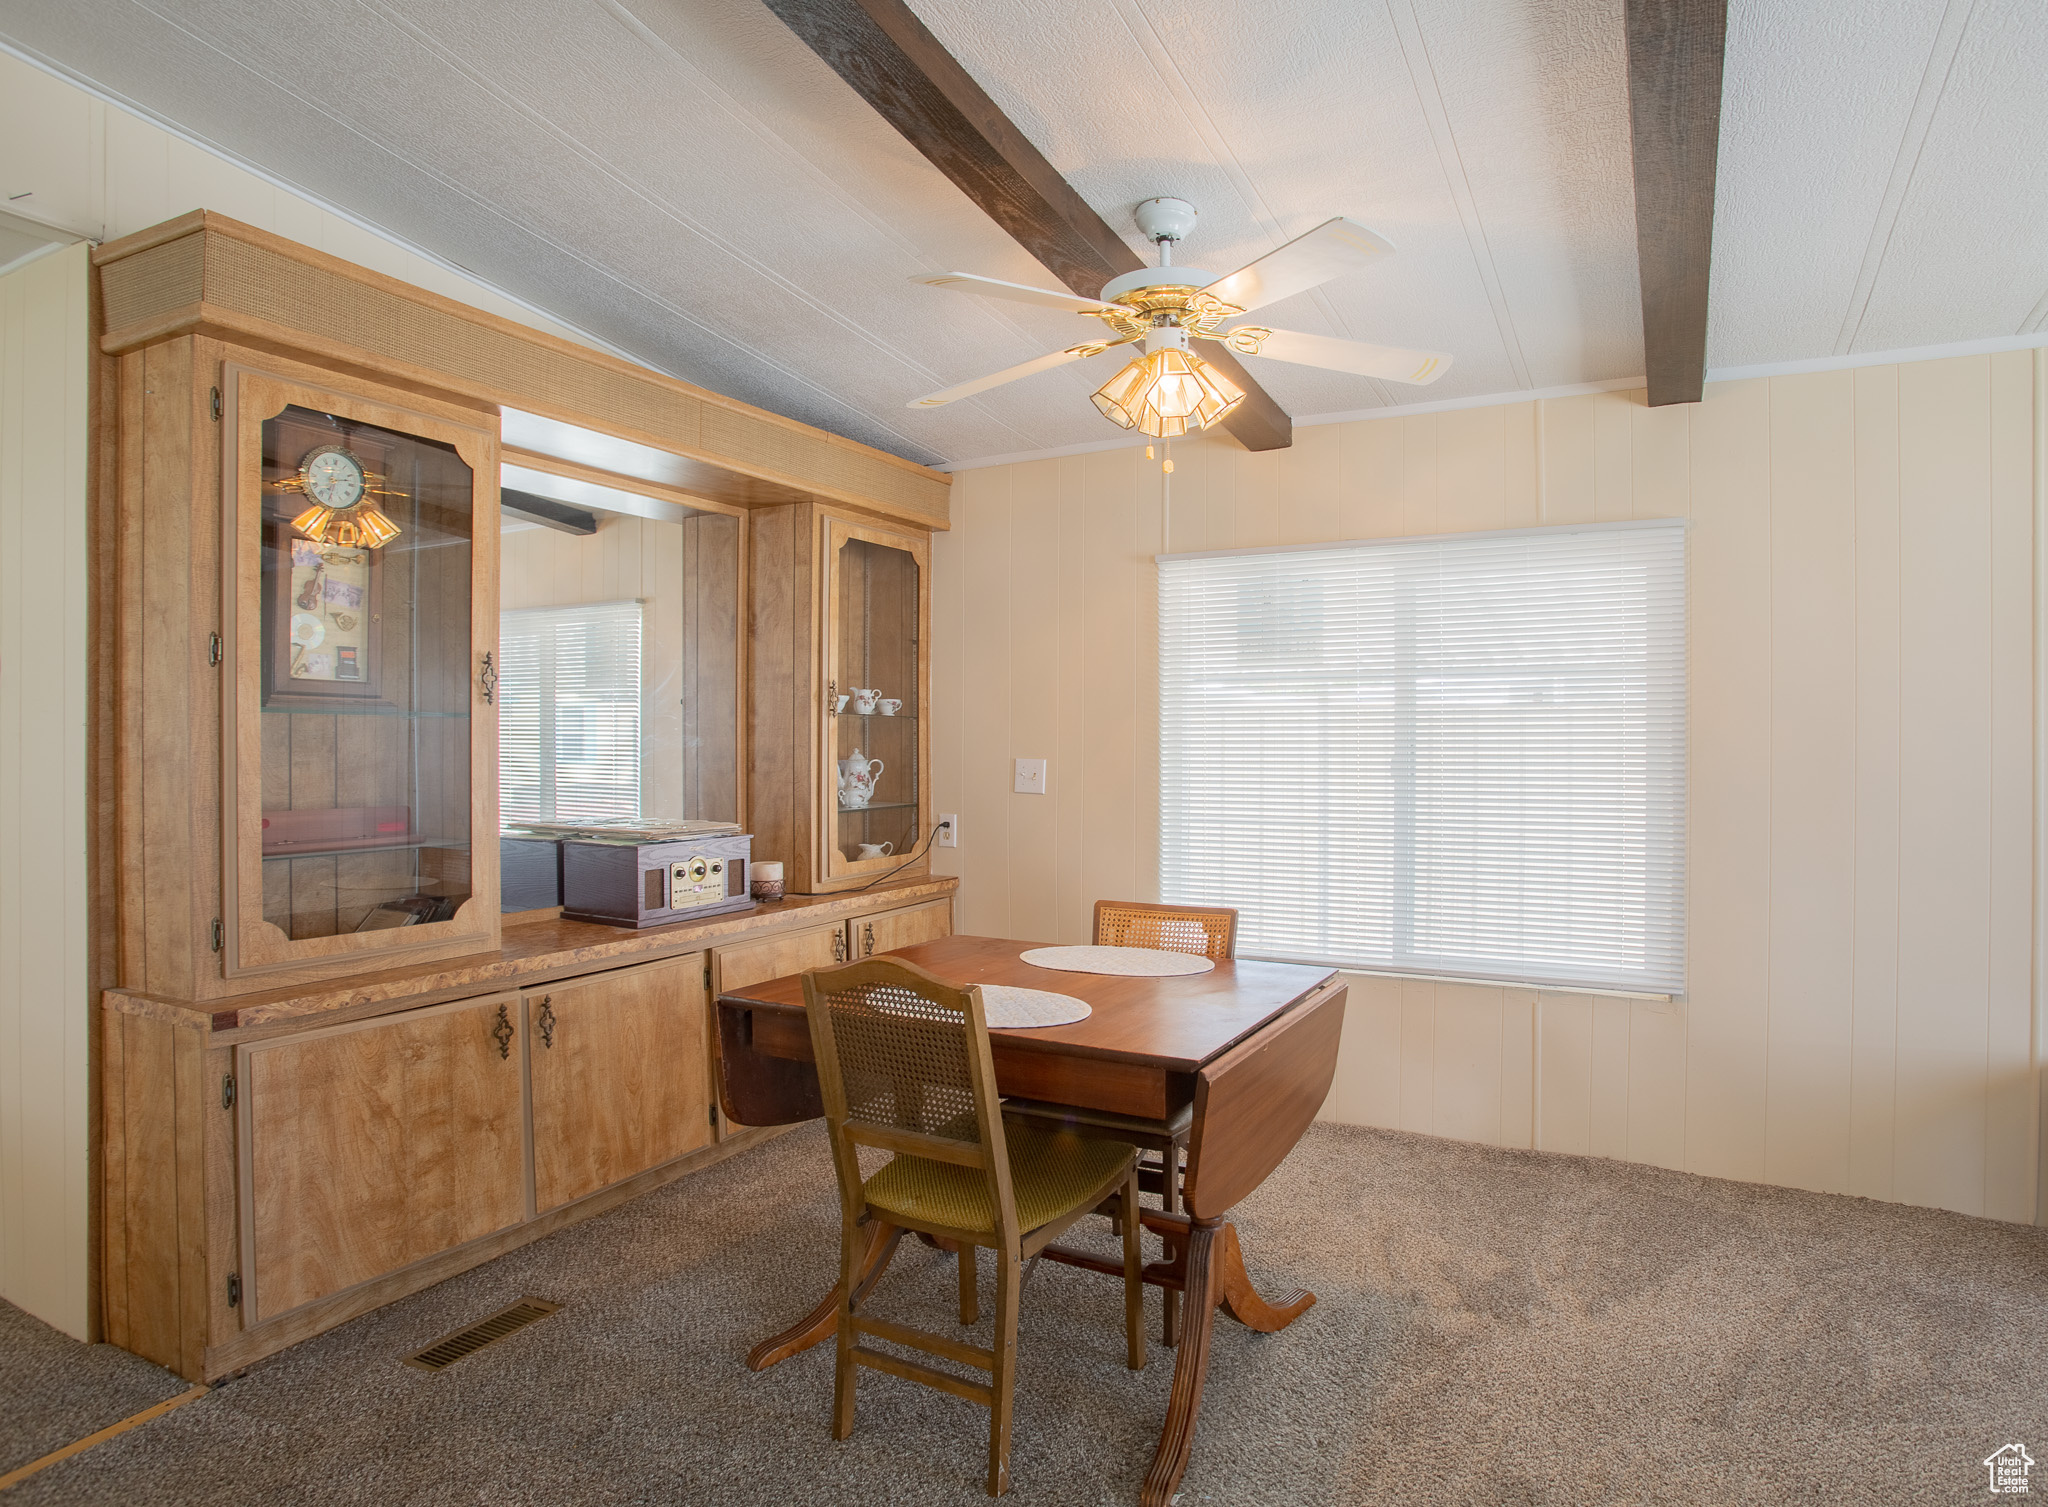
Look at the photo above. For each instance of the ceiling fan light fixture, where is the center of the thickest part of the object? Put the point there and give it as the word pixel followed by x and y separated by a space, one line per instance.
pixel 1166 393
pixel 1169 391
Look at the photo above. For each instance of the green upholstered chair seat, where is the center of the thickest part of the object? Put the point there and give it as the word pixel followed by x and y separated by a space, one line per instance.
pixel 1051 1174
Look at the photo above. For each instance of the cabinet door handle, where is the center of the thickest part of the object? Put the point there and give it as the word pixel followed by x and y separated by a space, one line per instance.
pixel 487 678
pixel 838 946
pixel 546 1021
pixel 867 940
pixel 503 1032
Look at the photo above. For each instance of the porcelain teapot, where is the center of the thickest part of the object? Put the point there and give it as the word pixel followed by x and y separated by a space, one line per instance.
pixel 857 776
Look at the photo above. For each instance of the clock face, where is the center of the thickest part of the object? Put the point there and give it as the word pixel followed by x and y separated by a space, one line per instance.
pixel 332 477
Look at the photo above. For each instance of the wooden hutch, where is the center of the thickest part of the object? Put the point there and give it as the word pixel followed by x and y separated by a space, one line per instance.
pixel 332 1070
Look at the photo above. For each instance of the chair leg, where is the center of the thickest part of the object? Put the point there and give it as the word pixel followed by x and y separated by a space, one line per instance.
pixel 1169 1200
pixel 1134 1275
pixel 1003 1378
pixel 851 1247
pixel 970 1300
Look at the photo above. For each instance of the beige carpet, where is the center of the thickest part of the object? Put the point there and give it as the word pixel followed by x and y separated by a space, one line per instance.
pixel 1494 1327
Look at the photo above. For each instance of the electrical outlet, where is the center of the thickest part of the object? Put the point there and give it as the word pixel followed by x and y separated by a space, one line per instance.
pixel 1031 777
pixel 949 830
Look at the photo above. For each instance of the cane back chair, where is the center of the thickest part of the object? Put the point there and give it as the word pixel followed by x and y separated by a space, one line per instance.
pixel 1206 931
pixel 904 1067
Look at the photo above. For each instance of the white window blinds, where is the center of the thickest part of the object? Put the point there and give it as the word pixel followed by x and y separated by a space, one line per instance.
pixel 569 712
pixel 1459 755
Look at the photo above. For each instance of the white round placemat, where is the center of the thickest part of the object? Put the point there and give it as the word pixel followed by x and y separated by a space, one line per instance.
pixel 1132 962
pixel 1013 1009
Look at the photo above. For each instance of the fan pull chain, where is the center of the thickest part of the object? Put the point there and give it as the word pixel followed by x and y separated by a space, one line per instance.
pixel 1165 498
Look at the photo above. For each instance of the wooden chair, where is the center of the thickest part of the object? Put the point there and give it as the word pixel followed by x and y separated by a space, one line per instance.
pixel 904 1066
pixel 1205 930
pixel 1208 931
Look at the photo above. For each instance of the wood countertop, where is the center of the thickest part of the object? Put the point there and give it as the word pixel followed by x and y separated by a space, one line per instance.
pixel 532 952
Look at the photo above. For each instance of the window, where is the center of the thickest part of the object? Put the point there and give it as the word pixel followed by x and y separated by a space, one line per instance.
pixel 1459 755
pixel 569 713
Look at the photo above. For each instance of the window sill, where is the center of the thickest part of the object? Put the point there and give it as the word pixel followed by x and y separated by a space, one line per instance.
pixel 1485 981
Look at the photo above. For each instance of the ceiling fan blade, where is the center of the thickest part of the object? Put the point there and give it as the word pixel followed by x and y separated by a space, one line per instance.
pixel 995 287
pixel 1388 362
pixel 1011 374
pixel 1332 249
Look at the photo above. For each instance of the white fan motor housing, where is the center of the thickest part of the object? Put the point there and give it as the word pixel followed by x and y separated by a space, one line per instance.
pixel 1165 219
pixel 1155 277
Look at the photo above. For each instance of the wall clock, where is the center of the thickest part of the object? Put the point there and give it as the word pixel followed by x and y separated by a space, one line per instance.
pixel 333 477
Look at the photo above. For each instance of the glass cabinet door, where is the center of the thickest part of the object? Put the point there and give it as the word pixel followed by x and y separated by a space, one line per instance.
pixel 361 726
pixel 875 603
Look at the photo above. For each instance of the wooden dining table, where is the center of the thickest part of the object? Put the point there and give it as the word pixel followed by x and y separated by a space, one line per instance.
pixel 1250 1046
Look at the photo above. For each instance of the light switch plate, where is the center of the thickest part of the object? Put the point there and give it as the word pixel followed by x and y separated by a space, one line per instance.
pixel 1031 777
pixel 949 830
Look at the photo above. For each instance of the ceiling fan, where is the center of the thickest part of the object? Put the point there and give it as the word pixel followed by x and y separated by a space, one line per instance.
pixel 1169 390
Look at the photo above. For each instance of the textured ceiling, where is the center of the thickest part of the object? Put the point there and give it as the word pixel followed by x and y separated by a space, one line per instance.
pixel 684 180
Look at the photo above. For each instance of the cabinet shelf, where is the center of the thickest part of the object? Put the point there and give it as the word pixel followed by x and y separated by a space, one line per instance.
pixel 878 716
pixel 328 848
pixel 342 709
pixel 878 806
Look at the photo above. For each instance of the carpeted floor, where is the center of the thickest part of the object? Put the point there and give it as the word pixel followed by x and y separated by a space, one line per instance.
pixel 1494 1327
pixel 54 1390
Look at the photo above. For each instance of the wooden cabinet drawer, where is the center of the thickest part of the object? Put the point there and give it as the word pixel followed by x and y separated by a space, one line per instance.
pixel 774 958
pixel 902 928
pixel 777 956
pixel 373 1145
pixel 620 1077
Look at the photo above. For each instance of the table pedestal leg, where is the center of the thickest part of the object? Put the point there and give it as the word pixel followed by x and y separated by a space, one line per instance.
pixel 1241 1301
pixel 822 1322
pixel 1190 1367
pixel 1212 1276
pixel 1207 1269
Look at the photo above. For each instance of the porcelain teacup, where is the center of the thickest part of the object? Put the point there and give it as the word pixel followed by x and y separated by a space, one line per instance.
pixel 890 706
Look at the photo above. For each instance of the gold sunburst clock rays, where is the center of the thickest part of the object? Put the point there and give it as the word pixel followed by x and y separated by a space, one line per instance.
pixel 339 487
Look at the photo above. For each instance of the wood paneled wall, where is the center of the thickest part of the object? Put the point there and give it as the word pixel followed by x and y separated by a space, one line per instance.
pixel 1860 1015
pixel 45 1003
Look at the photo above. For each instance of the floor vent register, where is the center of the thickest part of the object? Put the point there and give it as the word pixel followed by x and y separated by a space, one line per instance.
pixel 450 1348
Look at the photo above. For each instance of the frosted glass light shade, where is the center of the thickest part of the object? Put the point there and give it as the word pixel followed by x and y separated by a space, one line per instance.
pixel 1167 393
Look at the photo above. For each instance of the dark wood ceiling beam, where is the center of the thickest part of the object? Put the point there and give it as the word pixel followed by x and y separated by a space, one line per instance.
pixel 1675 50
pixel 896 64
pixel 547 511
